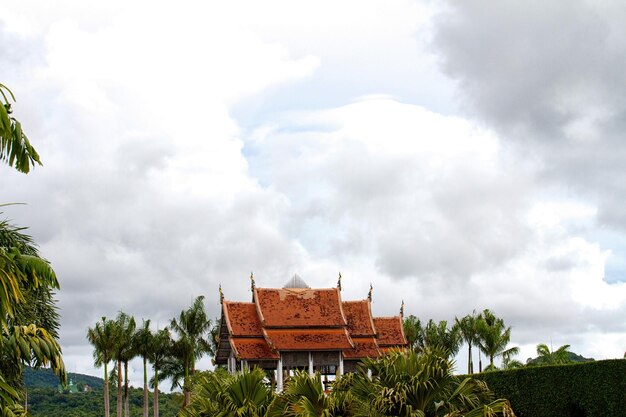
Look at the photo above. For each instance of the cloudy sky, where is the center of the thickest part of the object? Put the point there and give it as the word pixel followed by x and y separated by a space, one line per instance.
pixel 459 156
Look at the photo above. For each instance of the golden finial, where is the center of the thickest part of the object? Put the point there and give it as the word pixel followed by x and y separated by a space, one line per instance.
pixel 339 282
pixel 221 294
pixel 402 309
pixel 252 282
pixel 369 294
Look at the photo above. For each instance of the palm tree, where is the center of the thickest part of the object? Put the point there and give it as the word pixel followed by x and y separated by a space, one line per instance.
pixel 438 334
pixel 125 328
pixel 191 327
pixel 414 332
pixel 142 345
pixel 15 149
pixel 469 334
pixel 160 350
pixel 546 356
pixel 102 338
pixel 417 384
pixel 29 320
pixel 494 337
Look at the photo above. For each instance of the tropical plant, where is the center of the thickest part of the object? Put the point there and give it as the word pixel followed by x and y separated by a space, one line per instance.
pixel 468 330
pixel 414 332
pixel 125 329
pixel 142 346
pixel 494 337
pixel 418 384
pixel 29 320
pixel 439 334
pixel 191 328
pixel 15 149
pixel 509 363
pixel 103 338
pixel 160 349
pixel 221 394
pixel 303 396
pixel 546 356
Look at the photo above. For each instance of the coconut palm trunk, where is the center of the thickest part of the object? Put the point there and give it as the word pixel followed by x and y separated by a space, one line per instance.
pixel 119 389
pixel 156 393
pixel 145 387
pixel 106 391
pixel 126 408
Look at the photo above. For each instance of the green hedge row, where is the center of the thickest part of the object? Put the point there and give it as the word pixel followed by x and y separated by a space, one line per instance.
pixel 593 389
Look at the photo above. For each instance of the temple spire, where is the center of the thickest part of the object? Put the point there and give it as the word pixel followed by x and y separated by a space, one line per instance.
pixel 221 294
pixel 339 282
pixel 369 294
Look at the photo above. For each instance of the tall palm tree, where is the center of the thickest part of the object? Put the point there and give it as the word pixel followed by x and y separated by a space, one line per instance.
pixel 418 384
pixel 160 350
pixel 469 334
pixel 494 337
pixel 191 328
pixel 142 346
pixel 125 328
pixel 103 338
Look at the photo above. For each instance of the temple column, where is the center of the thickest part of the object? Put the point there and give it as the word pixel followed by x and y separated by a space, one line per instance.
pixel 311 373
pixel 340 363
pixel 279 375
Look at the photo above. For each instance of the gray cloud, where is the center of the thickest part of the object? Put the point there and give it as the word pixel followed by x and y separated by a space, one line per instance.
pixel 549 77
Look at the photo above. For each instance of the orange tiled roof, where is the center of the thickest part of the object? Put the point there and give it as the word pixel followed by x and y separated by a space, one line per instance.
pixel 308 339
pixel 250 348
pixel 242 319
pixel 359 317
pixel 364 347
pixel 390 331
pixel 299 307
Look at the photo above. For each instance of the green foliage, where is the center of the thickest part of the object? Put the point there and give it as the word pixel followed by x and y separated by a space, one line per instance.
pixel 15 149
pixel 45 378
pixel 494 337
pixel 224 395
pixel 592 389
pixel 418 384
pixel 47 402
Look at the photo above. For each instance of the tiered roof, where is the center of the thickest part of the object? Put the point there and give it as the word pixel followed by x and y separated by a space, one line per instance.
pixel 304 319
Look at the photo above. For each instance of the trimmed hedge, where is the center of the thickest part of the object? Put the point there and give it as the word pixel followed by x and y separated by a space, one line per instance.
pixel 593 389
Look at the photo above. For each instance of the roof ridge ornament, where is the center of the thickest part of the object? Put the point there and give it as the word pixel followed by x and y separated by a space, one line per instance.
pixel 369 294
pixel 252 283
pixel 221 294
pixel 402 310
pixel 339 282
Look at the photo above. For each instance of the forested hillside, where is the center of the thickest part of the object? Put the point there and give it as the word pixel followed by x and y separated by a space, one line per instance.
pixel 48 402
pixel 44 399
pixel 45 378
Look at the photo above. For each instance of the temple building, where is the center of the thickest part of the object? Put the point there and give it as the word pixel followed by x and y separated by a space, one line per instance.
pixel 296 327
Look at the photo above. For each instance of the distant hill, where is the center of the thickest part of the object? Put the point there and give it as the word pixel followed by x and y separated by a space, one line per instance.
pixel 45 378
pixel 572 356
